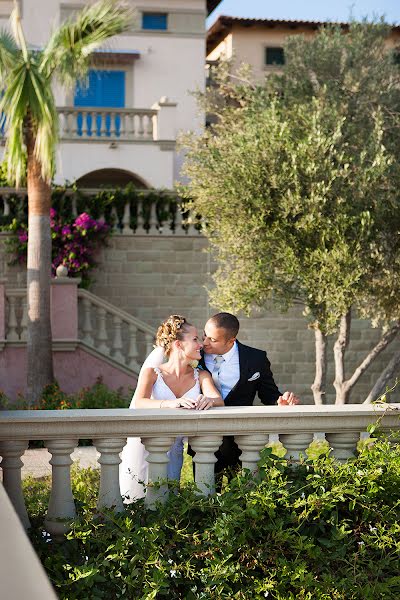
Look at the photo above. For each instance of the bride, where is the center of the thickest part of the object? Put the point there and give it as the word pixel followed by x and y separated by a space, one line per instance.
pixel 174 384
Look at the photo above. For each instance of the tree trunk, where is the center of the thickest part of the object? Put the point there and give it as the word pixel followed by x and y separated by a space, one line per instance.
pixel 380 386
pixel 319 385
pixel 39 338
pixel 341 387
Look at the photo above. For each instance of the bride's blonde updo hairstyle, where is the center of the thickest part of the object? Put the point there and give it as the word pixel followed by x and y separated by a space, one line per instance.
pixel 170 330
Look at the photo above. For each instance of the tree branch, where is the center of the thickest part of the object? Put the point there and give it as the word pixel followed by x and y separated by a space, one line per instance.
pixel 339 350
pixel 384 378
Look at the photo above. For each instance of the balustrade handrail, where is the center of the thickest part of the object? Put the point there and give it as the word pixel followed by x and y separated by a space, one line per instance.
pixel 110 308
pixel 90 109
pixel 100 423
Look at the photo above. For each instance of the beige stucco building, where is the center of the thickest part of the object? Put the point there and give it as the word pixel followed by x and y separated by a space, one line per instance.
pixel 138 98
pixel 259 42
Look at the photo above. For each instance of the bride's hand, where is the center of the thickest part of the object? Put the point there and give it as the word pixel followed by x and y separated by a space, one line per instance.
pixel 179 403
pixel 203 402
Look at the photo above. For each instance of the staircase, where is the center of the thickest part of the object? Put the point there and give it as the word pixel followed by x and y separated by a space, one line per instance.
pixel 91 339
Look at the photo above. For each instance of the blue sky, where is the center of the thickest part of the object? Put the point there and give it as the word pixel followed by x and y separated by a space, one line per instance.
pixel 315 10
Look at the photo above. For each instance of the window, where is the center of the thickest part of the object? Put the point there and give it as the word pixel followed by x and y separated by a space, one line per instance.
pixel 274 56
pixel 152 20
pixel 105 89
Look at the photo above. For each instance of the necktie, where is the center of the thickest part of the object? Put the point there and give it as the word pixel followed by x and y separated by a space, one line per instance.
pixel 218 360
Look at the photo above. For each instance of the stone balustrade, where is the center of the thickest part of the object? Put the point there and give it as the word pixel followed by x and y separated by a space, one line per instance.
pixel 147 222
pixel 16 316
pixel 251 426
pixel 107 124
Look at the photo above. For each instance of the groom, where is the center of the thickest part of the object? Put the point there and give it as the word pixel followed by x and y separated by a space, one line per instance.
pixel 239 372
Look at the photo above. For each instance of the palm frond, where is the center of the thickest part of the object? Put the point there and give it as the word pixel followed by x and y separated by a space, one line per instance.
pixel 69 48
pixel 16 26
pixel 14 105
pixel 29 94
pixel 9 52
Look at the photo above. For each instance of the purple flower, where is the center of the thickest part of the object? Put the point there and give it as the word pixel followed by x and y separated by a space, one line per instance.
pixel 66 230
pixel 23 236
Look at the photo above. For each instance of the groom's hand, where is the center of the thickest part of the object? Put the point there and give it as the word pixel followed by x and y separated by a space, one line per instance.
pixel 288 399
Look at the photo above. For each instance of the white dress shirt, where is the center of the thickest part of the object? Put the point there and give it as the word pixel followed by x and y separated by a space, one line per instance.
pixel 229 372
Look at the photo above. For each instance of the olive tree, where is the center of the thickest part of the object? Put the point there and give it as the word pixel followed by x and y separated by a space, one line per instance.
pixel 297 182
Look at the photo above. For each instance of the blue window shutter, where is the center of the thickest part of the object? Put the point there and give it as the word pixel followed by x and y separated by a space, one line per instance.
pixel 106 89
pixel 152 20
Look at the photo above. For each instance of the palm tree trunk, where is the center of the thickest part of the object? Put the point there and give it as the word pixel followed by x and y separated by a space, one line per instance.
pixel 39 338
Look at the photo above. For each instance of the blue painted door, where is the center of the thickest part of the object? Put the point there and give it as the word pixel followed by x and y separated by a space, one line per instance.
pixel 105 89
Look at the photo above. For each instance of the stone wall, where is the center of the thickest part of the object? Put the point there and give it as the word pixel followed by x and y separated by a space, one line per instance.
pixel 151 277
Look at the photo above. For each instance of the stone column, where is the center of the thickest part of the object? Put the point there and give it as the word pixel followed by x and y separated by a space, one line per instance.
pixel 11 464
pixel 2 313
pixel 109 493
pixel 205 459
pixel 344 445
pixel 61 504
pixel 296 444
pixel 164 124
pixel 251 446
pixel 157 447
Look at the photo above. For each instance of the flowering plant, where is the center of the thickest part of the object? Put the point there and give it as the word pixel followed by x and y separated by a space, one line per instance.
pixel 73 244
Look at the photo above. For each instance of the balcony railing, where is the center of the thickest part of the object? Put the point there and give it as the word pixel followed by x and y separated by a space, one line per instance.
pixel 106 124
pixel 109 429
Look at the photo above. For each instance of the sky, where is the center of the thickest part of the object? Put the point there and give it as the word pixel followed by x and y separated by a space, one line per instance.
pixel 309 10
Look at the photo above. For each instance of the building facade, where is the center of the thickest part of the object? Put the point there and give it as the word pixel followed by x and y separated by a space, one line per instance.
pixel 122 123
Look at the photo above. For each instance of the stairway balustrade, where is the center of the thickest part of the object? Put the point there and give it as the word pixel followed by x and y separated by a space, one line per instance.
pixel 109 429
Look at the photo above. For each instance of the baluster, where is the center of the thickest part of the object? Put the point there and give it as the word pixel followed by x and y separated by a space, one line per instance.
pixel 140 230
pixel 205 459
pixel 12 335
pixel 115 219
pixel 344 445
pixel 74 206
pixel 179 225
pixel 122 125
pixel 109 493
pixel 140 130
pixel 102 336
pixel 67 124
pixel 6 211
pixel 87 328
pixel 75 125
pixel 251 446
pixel 24 319
pixel 103 124
pixel 133 349
pixel 126 219
pixel 131 124
pixel 153 222
pixel 61 508
pixel 296 444
pixel 149 337
pixel 85 128
pixel 149 127
pixel 117 342
pixel 158 462
pixel 11 451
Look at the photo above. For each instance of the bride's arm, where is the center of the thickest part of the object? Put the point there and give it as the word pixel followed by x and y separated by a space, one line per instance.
pixel 143 392
pixel 210 396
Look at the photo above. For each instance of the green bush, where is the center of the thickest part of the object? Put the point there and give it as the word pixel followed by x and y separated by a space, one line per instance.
pixel 317 531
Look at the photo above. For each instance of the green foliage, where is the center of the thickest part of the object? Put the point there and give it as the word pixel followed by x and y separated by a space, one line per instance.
pixel 53 398
pixel 318 531
pixel 298 178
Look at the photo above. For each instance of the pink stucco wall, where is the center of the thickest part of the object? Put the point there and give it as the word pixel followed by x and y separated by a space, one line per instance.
pixel 73 371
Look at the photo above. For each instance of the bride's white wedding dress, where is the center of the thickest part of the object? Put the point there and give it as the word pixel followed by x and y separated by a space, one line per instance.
pixel 133 471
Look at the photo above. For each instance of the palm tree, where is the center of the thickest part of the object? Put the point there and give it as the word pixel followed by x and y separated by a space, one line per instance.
pixel 28 104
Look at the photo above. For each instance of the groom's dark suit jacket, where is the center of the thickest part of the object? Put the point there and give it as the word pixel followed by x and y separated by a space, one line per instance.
pixel 251 362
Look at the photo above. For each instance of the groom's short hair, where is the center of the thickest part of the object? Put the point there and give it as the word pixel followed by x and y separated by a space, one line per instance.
pixel 228 322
